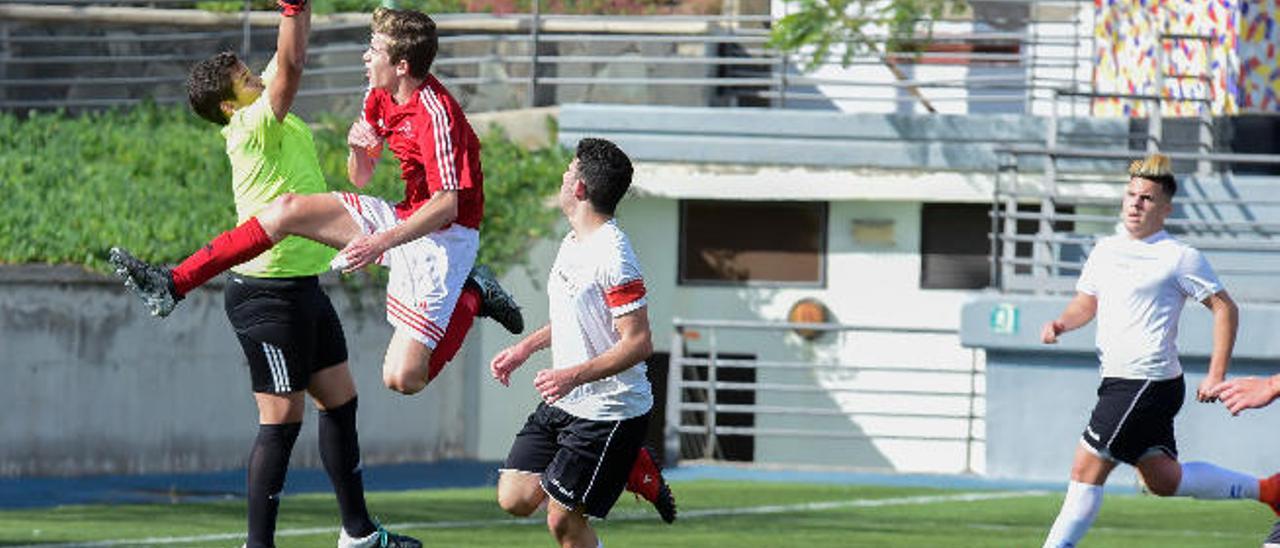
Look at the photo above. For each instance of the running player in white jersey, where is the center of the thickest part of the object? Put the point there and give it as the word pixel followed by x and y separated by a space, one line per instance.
pixel 1136 283
pixel 579 445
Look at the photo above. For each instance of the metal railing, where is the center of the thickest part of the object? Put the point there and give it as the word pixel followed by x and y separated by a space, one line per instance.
pixel 530 59
pixel 1233 220
pixel 700 356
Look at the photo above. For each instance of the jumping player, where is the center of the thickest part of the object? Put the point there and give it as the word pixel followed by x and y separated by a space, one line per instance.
pixel 429 239
pixel 292 339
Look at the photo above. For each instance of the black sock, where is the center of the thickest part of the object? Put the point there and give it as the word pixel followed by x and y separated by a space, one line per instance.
pixel 340 452
pixel 268 462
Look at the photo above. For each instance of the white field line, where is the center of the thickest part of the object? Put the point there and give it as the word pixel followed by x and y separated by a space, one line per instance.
pixel 685 514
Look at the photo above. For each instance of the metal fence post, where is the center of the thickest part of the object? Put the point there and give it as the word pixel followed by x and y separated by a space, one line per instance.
pixel 675 399
pixel 247 38
pixel 531 99
pixel 973 410
pixel 709 450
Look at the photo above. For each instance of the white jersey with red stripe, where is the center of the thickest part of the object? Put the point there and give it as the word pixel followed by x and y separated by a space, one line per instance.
pixel 594 280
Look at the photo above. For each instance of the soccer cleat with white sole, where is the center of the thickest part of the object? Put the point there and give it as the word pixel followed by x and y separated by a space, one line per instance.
pixel 152 284
pixel 377 539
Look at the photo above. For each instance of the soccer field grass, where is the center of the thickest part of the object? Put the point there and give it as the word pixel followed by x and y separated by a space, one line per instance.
pixel 713 513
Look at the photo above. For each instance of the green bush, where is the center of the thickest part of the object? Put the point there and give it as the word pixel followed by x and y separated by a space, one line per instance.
pixel 157 181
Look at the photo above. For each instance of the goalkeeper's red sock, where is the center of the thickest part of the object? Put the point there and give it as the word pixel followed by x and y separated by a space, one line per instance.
pixel 230 248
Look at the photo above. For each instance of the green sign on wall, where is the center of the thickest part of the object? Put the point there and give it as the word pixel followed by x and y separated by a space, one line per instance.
pixel 1004 319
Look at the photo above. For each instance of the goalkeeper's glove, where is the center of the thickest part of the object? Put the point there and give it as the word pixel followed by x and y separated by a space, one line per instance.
pixel 291 8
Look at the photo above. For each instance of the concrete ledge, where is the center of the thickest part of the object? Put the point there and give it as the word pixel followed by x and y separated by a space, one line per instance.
pixel 749 136
pixel 983 325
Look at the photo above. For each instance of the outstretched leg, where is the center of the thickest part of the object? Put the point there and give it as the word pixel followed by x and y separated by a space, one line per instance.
pixel 319 217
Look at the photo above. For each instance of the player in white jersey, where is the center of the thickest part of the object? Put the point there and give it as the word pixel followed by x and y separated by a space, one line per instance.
pixel 578 446
pixel 1136 283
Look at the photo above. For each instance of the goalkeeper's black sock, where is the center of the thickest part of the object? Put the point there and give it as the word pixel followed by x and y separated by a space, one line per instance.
pixel 340 452
pixel 268 463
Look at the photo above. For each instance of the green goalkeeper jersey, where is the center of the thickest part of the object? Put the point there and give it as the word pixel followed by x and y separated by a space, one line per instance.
pixel 269 158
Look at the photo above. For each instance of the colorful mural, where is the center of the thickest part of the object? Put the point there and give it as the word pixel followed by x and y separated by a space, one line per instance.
pixel 1257 52
pixel 1201 62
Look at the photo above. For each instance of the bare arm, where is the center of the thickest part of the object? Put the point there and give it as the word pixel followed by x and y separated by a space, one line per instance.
pixel 1247 392
pixel 515 355
pixel 291 53
pixel 1226 319
pixel 439 211
pixel 635 345
pixel 1078 312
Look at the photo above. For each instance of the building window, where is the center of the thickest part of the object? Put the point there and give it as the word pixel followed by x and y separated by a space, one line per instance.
pixel 732 243
pixel 955 244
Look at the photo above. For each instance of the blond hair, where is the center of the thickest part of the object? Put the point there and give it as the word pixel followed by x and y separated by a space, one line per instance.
pixel 1157 168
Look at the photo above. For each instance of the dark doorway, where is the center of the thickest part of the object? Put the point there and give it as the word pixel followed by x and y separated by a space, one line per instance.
pixel 692 446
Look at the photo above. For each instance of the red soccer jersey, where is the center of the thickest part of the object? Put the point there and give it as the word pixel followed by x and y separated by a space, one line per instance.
pixel 436 147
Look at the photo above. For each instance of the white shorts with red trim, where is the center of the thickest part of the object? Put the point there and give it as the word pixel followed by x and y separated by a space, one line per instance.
pixel 427 274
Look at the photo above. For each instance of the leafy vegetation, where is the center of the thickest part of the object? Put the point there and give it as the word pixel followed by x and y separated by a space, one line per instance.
pixel 819 29
pixel 156 180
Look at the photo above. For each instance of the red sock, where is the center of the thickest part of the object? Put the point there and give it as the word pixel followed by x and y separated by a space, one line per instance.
pixel 459 323
pixel 230 248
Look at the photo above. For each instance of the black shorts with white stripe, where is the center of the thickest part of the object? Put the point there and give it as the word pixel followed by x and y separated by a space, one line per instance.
pixel 1134 417
pixel 583 462
pixel 287 327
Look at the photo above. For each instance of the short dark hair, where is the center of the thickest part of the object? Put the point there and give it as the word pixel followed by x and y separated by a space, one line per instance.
pixel 209 84
pixel 606 170
pixel 1157 168
pixel 412 37
pixel 1167 183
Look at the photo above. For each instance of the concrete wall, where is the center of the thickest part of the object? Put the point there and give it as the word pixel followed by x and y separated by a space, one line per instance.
pixel 93 384
pixel 1039 397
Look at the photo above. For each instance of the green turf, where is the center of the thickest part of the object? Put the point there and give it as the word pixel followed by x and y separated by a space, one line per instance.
pixel 469 517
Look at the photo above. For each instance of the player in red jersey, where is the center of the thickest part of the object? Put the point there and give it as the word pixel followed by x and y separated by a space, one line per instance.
pixel 429 239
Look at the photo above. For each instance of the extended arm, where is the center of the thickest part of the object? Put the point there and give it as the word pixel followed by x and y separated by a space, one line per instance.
pixel 291 54
pixel 1078 312
pixel 515 355
pixel 439 211
pixel 1226 318
pixel 635 345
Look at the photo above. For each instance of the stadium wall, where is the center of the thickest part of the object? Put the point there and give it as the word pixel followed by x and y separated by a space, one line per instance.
pixel 1039 397
pixel 94 385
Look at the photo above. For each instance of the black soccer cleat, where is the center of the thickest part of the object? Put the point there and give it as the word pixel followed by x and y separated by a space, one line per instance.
pixel 152 284
pixel 495 302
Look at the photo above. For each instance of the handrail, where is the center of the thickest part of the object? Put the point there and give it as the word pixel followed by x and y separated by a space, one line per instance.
pixel 695 383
